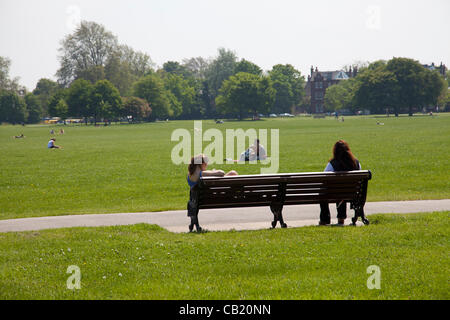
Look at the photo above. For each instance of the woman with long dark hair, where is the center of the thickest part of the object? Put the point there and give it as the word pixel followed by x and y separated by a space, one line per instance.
pixel 343 160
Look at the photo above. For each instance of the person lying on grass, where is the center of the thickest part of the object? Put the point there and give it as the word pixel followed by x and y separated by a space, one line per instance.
pixel 197 169
pixel 51 144
pixel 343 160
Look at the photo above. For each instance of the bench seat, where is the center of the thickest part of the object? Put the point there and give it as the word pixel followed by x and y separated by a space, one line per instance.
pixel 277 190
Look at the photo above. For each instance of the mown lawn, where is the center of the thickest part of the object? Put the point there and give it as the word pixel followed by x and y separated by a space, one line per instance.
pixel 147 262
pixel 128 168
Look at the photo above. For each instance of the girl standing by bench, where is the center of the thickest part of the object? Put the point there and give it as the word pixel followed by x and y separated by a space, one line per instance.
pixel 196 170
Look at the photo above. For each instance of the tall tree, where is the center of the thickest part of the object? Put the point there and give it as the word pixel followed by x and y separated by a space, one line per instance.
pixel 244 93
pixel 92 74
pixel 45 89
pixel 125 66
pixel 12 107
pixel 57 106
pixel 185 94
pixel 220 69
pixel 79 98
pixel 6 83
pixel 89 46
pixel 174 67
pixel 34 108
pixel 289 84
pixel 151 88
pixel 105 101
pixel 197 67
pixel 247 66
pixel 376 90
pixel 410 80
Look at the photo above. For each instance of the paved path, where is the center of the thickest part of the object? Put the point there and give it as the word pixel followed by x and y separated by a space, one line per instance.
pixel 217 219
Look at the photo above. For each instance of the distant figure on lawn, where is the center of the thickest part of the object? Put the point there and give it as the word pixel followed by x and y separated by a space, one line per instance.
pixel 52 131
pixel 255 152
pixel 343 160
pixel 51 144
pixel 19 137
pixel 197 169
pixel 61 131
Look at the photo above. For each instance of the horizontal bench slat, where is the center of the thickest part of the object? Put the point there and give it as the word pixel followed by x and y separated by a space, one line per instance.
pixel 272 181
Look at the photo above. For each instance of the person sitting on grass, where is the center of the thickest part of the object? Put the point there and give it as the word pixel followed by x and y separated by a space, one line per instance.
pixel 51 144
pixel 343 160
pixel 197 169
pixel 255 152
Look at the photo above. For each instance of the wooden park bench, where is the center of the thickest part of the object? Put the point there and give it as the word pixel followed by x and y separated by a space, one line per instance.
pixel 278 190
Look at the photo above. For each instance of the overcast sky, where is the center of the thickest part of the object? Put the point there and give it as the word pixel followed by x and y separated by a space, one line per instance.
pixel 327 34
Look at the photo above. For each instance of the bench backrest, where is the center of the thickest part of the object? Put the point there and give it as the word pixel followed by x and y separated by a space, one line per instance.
pixel 282 189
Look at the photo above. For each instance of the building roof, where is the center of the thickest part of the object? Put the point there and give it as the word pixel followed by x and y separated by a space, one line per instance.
pixel 331 75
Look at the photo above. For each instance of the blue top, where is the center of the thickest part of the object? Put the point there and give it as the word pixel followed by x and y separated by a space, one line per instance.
pixel 193 183
pixel 50 144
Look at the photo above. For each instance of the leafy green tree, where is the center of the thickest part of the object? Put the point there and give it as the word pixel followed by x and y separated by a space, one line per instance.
pixel 34 108
pixel 174 67
pixel 55 107
pixel 88 47
pixel 6 83
pixel 12 107
pixel 139 63
pixel 119 74
pixel 377 90
pixel 58 106
pixel 247 66
pixel 125 66
pixel 184 92
pixel 136 107
pixel 335 98
pixel 409 91
pixel 45 89
pixel 92 74
pixel 151 88
pixel 220 69
pixel 244 93
pixel 105 101
pixel 79 98
pixel 289 84
pixel 434 86
pixel 197 67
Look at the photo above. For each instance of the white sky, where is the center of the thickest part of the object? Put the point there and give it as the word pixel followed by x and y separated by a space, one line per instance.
pixel 326 33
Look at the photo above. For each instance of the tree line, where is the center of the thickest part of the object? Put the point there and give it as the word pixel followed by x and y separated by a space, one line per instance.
pixel 99 78
pixel 394 86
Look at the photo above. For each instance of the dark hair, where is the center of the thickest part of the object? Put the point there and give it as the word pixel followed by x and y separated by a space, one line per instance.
pixel 343 154
pixel 195 162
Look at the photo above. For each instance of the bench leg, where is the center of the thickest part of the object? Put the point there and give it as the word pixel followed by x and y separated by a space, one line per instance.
pixel 277 211
pixel 194 222
pixel 359 212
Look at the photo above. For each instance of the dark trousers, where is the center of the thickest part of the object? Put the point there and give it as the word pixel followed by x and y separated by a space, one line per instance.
pixel 325 211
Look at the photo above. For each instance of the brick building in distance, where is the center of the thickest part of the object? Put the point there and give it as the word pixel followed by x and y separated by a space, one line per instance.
pixel 442 69
pixel 319 81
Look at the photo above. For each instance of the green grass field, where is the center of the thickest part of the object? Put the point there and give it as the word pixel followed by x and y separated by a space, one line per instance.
pixel 147 262
pixel 128 168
